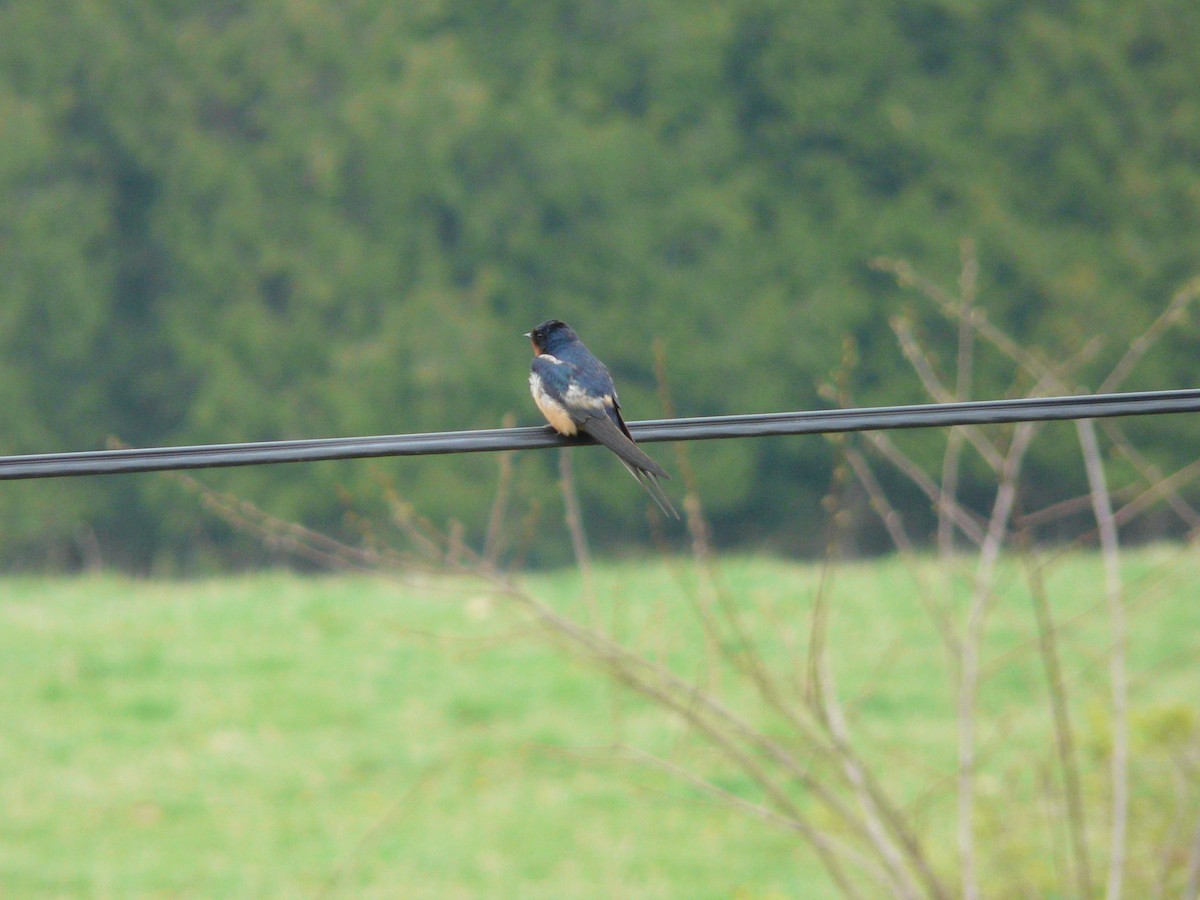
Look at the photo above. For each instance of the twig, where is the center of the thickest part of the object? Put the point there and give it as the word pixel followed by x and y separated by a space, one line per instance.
pixel 1119 678
pixel 1140 345
pixel 395 811
pixel 822 695
pixel 1064 740
pixel 819 615
pixel 880 814
pixel 968 282
pixel 963 518
pixel 1173 841
pixel 903 543
pixel 673 691
pixel 1048 801
pixel 755 809
pixel 1156 492
pixel 1192 891
pixel 493 542
pixel 709 597
pixel 1107 524
pixel 725 742
pixel 574 522
pixel 835 718
pixel 989 554
pixel 919 359
pixel 741 651
pixel 1061 510
pixel 1152 474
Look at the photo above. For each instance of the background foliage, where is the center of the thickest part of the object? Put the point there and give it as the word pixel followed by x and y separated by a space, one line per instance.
pixel 239 221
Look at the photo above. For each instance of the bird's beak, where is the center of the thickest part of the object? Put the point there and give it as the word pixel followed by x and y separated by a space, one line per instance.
pixel 528 334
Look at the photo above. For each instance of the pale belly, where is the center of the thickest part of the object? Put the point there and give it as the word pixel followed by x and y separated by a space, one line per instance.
pixel 559 419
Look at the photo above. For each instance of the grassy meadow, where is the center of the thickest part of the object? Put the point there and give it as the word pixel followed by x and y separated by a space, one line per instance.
pixel 277 735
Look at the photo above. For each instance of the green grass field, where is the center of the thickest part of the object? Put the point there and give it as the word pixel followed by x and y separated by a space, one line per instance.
pixel 276 735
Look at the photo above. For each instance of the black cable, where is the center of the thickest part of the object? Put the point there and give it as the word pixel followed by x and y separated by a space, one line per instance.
pixel 981 412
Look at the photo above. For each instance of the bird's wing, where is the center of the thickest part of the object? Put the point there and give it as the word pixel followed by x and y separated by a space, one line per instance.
pixel 550 383
pixel 570 408
pixel 606 430
pixel 554 375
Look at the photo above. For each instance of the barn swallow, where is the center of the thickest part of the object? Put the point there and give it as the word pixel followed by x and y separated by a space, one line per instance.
pixel 575 393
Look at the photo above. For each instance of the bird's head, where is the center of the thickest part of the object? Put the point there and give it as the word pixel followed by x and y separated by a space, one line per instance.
pixel 550 336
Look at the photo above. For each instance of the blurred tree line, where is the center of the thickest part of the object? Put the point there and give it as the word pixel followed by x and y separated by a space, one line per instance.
pixel 239 221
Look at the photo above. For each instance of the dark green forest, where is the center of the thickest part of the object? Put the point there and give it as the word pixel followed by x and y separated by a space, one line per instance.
pixel 240 221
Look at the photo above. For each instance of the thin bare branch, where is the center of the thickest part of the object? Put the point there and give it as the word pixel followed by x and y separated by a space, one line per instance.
pixel 689 707
pixel 1118 676
pixel 1140 345
pixel 819 613
pixel 573 518
pixel 882 816
pixel 989 554
pixel 968 281
pixel 715 608
pixel 620 660
pixel 1135 503
pixel 1152 474
pixel 1064 740
pixel 1107 525
pixel 1156 492
pixel 1192 891
pixel 1055 512
pixel 963 518
pixel 919 359
pixel 907 276
pixel 836 720
pixel 895 527
pixel 493 542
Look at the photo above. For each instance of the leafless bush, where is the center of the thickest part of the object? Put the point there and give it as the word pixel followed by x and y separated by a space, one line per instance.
pixel 763 701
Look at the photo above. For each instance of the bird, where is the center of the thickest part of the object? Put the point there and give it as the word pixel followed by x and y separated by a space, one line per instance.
pixel 575 392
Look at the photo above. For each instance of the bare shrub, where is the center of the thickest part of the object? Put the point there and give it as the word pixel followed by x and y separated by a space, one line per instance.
pixel 1075 803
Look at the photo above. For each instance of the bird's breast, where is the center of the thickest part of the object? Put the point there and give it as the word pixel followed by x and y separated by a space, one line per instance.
pixel 556 414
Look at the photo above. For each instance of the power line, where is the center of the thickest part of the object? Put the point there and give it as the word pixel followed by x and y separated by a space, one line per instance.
pixel 980 412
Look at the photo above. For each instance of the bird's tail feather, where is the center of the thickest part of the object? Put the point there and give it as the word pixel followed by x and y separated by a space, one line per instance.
pixel 649 482
pixel 645 470
pixel 608 433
